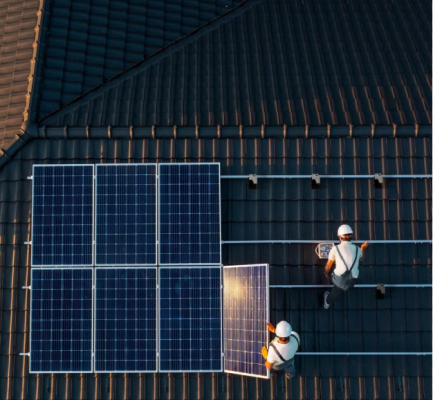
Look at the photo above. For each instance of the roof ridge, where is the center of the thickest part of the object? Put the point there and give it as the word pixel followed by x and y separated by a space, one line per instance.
pixel 153 58
pixel 28 125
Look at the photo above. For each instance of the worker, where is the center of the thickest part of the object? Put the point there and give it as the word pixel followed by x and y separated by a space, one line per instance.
pixel 282 349
pixel 346 257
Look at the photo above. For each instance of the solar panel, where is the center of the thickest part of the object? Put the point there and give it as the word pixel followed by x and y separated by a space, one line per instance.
pixel 62 215
pixel 125 320
pixel 189 214
pixel 125 214
pixel 190 319
pixel 246 312
pixel 61 320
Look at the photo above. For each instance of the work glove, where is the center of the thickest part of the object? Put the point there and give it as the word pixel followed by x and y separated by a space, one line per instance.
pixel 271 327
pixel 264 352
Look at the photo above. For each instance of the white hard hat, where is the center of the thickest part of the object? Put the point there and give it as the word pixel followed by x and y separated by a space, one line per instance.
pixel 283 329
pixel 344 230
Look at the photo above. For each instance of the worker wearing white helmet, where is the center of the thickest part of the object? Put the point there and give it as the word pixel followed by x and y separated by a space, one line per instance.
pixel 346 257
pixel 282 349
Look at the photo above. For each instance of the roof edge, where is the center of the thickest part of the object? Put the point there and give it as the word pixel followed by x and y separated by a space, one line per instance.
pixel 151 59
pixel 32 94
pixel 209 132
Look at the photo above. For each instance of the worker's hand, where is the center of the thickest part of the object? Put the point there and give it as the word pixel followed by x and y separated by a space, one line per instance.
pixel 364 245
pixel 264 352
pixel 327 274
pixel 271 327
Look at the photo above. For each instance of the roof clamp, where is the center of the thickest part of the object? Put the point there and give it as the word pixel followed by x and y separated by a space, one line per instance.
pixel 315 181
pixel 252 181
pixel 378 181
pixel 380 292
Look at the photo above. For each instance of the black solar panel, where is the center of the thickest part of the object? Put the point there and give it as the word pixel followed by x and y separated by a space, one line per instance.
pixel 62 215
pixel 189 214
pixel 246 312
pixel 126 214
pixel 125 320
pixel 61 320
pixel 190 319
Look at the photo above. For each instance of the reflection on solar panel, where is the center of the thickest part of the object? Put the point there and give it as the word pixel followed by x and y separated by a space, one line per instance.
pixel 62 216
pixel 190 319
pixel 61 320
pixel 246 312
pixel 126 214
pixel 189 209
pixel 125 320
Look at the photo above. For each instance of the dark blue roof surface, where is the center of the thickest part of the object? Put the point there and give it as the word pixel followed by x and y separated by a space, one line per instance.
pixel 277 209
pixel 88 42
pixel 270 62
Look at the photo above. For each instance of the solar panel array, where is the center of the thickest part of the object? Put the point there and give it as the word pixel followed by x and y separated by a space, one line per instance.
pixel 61 320
pixel 126 334
pixel 189 214
pixel 125 320
pixel 246 312
pixel 125 214
pixel 62 216
pixel 190 319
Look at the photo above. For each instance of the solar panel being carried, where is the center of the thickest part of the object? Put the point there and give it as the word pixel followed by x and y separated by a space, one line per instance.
pixel 125 214
pixel 246 312
pixel 189 214
pixel 61 320
pixel 62 215
pixel 125 320
pixel 190 319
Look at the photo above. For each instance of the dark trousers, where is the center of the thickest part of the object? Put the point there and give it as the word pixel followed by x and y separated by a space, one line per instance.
pixel 335 293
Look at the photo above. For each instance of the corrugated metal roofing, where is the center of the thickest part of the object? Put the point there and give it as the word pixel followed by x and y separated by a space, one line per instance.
pixel 91 41
pixel 277 209
pixel 17 33
pixel 275 62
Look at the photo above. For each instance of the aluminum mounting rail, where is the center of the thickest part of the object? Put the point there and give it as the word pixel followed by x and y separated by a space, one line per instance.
pixel 364 354
pixel 327 176
pixel 320 241
pixel 417 285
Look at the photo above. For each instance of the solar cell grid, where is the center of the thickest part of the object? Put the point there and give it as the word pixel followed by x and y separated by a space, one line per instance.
pixel 125 320
pixel 61 320
pixel 246 312
pixel 190 319
pixel 126 214
pixel 189 214
pixel 62 215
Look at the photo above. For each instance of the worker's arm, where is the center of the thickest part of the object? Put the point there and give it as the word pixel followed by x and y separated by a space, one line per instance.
pixel 328 268
pixel 363 247
pixel 268 365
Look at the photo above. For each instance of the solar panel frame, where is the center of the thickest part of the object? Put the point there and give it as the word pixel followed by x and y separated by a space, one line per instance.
pixel 36 166
pixel 268 374
pixel 159 214
pixel 31 371
pixel 156 324
pixel 220 319
pixel 96 210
